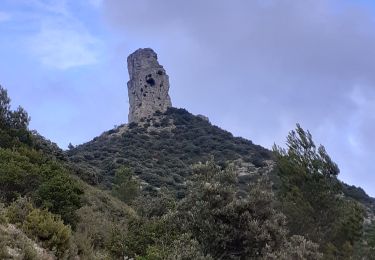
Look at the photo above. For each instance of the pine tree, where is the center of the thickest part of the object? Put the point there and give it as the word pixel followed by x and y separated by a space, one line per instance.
pixel 310 194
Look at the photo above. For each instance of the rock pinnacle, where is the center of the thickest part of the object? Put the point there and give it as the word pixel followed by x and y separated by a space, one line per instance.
pixel 148 85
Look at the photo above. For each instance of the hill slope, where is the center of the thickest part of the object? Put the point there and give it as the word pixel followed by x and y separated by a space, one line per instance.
pixel 161 150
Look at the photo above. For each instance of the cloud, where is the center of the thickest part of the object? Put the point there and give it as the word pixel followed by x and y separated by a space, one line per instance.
pixel 4 17
pixel 61 47
pixel 60 40
pixel 258 67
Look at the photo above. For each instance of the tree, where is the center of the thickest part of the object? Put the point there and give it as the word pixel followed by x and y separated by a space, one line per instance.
pixel 61 195
pixel 19 119
pixel 230 226
pixel 70 146
pixel 4 106
pixel 13 124
pixel 50 230
pixel 310 193
pixel 125 187
pixel 215 220
pixel 18 175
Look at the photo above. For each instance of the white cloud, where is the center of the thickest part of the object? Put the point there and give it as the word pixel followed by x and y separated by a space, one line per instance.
pixel 63 48
pixel 4 16
pixel 62 41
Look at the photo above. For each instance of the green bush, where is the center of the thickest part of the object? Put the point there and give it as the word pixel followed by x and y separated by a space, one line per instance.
pixel 49 229
pixel 214 221
pixel 309 195
pixel 181 141
pixel 61 195
pixel 19 210
pixel 125 187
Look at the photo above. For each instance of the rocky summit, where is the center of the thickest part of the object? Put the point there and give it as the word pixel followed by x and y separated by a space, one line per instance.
pixel 148 85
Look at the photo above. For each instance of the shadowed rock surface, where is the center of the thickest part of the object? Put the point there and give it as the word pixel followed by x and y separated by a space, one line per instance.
pixel 148 85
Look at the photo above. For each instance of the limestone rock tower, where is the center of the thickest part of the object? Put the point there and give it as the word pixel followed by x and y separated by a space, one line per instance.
pixel 148 85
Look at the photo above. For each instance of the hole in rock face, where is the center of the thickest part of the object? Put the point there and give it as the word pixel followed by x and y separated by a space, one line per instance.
pixel 160 72
pixel 144 95
pixel 141 89
pixel 150 80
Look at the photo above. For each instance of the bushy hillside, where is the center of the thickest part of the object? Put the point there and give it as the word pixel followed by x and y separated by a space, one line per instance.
pixel 225 208
pixel 46 211
pixel 162 150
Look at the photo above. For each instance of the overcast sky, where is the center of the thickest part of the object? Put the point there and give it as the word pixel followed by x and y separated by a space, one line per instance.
pixel 255 68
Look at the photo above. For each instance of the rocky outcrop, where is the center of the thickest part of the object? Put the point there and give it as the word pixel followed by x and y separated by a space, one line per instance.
pixel 148 85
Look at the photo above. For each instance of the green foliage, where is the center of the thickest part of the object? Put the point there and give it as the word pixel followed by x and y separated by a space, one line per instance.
pixel 17 119
pixel 99 218
pixel 19 210
pixel 4 106
pixel 155 234
pixel 49 229
pixel 297 247
pixel 216 216
pixel 215 222
pixel 49 149
pixel 85 249
pixel 161 150
pixel 26 172
pixel 227 226
pixel 125 187
pixel 61 195
pixel 13 124
pixel 29 166
pixel 310 195
pixel 365 247
pixel 358 194
pixel 18 174
pixel 186 248
pixel 40 225
pixel 116 244
pixel 155 205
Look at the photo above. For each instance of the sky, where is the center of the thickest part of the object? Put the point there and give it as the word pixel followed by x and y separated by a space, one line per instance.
pixel 254 67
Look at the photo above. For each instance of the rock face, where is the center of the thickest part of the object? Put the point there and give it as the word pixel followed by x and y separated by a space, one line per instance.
pixel 148 85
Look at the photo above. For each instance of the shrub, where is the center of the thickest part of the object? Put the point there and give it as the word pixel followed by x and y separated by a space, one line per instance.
pixel 125 187
pixel 18 210
pixel 29 253
pixel 3 217
pixel 61 195
pixel 49 229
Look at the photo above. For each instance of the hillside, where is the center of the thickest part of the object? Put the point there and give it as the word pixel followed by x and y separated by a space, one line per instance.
pixel 170 185
pixel 46 211
pixel 162 149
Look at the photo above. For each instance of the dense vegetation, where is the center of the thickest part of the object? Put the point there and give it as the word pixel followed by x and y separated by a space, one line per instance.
pixel 40 196
pixel 162 149
pixel 175 187
pixel 310 196
pixel 214 221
